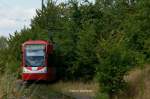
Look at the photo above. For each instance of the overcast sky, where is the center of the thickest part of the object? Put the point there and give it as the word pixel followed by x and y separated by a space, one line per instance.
pixel 15 14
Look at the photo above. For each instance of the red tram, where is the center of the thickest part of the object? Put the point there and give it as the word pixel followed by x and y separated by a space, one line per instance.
pixel 36 63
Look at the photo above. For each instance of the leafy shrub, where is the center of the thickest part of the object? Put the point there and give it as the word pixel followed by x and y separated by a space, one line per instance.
pixel 101 96
pixel 115 60
pixel 147 49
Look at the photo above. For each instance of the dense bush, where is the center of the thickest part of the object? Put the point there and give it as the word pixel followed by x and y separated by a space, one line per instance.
pixel 107 38
pixel 115 60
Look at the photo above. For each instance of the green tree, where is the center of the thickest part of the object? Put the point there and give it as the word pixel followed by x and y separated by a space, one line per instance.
pixel 136 27
pixel 115 60
pixel 3 53
pixel 84 65
pixel 3 42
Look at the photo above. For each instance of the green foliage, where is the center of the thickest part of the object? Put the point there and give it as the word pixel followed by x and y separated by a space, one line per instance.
pixel 84 66
pixel 138 28
pixel 102 96
pixel 3 43
pixel 3 53
pixel 147 49
pixel 115 60
pixel 107 38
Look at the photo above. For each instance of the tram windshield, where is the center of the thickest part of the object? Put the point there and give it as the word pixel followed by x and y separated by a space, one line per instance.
pixel 35 55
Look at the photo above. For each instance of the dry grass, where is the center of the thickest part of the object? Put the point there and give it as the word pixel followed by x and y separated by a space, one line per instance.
pixel 11 88
pixel 79 88
pixel 138 80
pixel 6 83
pixel 139 84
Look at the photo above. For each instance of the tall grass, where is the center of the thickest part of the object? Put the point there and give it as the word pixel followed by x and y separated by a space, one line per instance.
pixel 13 88
pixel 139 84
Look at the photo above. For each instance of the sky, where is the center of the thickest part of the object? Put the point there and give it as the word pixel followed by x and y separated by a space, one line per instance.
pixel 15 14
